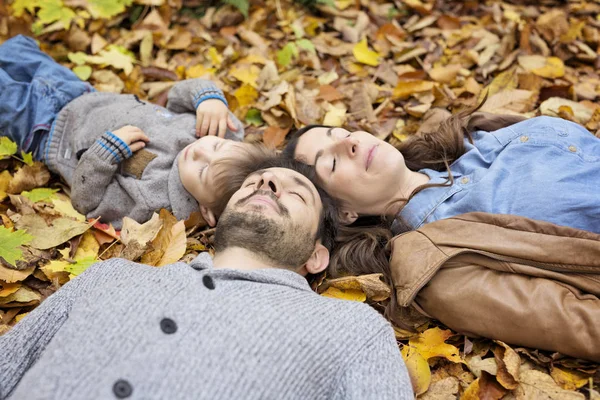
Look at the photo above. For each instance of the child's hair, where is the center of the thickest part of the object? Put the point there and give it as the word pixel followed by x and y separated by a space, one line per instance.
pixel 234 170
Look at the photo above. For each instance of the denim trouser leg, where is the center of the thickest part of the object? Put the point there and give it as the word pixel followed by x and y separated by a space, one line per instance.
pixel 33 89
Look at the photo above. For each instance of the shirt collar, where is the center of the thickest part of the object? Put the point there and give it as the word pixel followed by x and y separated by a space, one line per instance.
pixel 425 202
pixel 274 276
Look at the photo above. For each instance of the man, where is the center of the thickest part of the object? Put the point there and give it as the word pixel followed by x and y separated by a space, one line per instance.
pixel 243 326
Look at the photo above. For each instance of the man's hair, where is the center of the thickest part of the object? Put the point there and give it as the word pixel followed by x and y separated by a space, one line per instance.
pixel 233 171
pixel 328 221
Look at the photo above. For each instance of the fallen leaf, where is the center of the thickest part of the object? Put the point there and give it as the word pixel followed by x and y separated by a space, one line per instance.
pixel 431 343
pixel 345 294
pixel 484 387
pixel 405 89
pixel 335 116
pixel 10 275
pixel 418 370
pixel 274 136
pixel 509 363
pixel 169 244
pixel 551 107
pixel 372 285
pixel 115 56
pixel 546 67
pixel 246 95
pixel 9 288
pixel 364 55
pixel 62 204
pixel 476 364
pixel 29 177
pixel 536 385
pixel 246 74
pixel 5 178
pixel 445 74
pixel 42 194
pixel 444 389
pixel 83 72
pixel 47 236
pixel 569 379
pixel 10 244
pixel 23 296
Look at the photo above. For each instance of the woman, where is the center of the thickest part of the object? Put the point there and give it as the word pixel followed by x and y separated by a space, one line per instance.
pixel 543 168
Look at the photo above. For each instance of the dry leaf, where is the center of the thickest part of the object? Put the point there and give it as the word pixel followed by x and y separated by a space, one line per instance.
pixel 444 389
pixel 372 285
pixel 405 89
pixel 484 387
pixel 581 114
pixel 418 370
pixel 431 343
pixel 29 177
pixel 345 294
pixel 546 67
pixel 47 236
pixel 535 385
pixel 569 379
pixel 169 244
pixel 508 362
pixel 274 136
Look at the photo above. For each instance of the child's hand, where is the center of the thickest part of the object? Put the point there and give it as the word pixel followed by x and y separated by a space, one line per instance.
pixel 133 136
pixel 212 117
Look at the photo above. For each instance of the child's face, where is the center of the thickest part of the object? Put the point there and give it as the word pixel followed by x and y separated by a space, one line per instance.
pixel 198 165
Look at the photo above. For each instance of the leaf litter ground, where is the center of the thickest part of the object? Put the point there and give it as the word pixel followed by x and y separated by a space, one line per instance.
pixel 372 65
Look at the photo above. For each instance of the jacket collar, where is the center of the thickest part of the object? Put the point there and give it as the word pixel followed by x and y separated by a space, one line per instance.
pixel 274 276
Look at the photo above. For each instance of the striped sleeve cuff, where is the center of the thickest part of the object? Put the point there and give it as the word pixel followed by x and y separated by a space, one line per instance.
pixel 208 91
pixel 111 148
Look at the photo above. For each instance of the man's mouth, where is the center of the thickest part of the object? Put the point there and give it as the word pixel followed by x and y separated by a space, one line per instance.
pixel 370 156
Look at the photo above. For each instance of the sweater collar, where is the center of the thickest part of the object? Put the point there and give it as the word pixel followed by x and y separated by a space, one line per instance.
pixel 274 276
pixel 182 202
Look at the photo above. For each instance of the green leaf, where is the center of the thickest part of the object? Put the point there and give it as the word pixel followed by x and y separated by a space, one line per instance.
pixel 54 10
pixel 306 45
pixel 107 8
pixel 253 117
pixel 10 242
pixel 83 72
pixel 77 58
pixel 27 158
pixel 116 56
pixel 40 194
pixel 19 7
pixel 285 55
pixel 242 5
pixel 81 265
pixel 7 147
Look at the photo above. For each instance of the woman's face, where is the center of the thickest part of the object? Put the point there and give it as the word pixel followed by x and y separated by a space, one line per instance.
pixel 354 167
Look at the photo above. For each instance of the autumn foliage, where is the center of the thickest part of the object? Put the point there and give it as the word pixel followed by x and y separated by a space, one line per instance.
pixel 371 65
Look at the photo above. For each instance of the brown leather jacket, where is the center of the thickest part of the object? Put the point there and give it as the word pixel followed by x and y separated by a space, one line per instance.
pixel 525 282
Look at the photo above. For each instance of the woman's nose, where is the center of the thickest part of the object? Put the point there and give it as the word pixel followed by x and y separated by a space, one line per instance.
pixel 347 146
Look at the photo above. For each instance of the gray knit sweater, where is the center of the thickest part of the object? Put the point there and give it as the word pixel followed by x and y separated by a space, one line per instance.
pixel 196 332
pixel 91 160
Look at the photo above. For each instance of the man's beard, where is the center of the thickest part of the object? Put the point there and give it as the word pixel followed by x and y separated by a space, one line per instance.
pixel 281 242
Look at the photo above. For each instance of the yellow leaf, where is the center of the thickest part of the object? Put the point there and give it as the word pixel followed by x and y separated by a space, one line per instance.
pixel 22 295
pixel 115 56
pixel 55 270
pixel 83 72
pixel 253 59
pixel 20 317
pixel 372 285
pixel 569 379
pixel 538 385
pixel 335 116
pixel 418 370
pixel 5 178
pixel 348 294
pixel 431 343
pixel 88 247
pixel 10 275
pixel 46 237
pixel 404 89
pixel 198 71
pixel 507 80
pixel 546 67
pixel 245 74
pixel 246 95
pixel 63 205
pixel 215 58
pixel 9 288
pixel 27 158
pixel 364 55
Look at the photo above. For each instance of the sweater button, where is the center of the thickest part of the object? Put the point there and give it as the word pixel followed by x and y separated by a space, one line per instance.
pixel 168 326
pixel 208 282
pixel 122 389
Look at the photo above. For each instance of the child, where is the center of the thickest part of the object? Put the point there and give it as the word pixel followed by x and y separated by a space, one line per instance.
pixel 121 156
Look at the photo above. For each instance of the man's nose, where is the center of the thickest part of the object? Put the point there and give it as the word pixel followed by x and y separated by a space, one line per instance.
pixel 268 181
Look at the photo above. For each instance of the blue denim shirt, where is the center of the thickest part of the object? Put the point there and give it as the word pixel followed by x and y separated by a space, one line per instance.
pixel 543 168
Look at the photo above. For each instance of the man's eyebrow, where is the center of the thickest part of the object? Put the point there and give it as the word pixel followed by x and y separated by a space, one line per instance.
pixel 304 184
pixel 320 152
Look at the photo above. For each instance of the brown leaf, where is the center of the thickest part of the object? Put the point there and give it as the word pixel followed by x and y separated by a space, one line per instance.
pixel 535 385
pixel 444 389
pixel 329 93
pixel 508 362
pixel 29 177
pixel 169 244
pixel 46 236
pixel 484 388
pixel 274 136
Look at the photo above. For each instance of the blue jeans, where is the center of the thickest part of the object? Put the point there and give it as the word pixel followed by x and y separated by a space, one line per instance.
pixel 33 90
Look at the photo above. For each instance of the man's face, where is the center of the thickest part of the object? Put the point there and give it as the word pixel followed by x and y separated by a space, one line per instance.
pixel 275 214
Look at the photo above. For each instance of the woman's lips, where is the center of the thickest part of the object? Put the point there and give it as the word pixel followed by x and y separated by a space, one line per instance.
pixel 370 156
